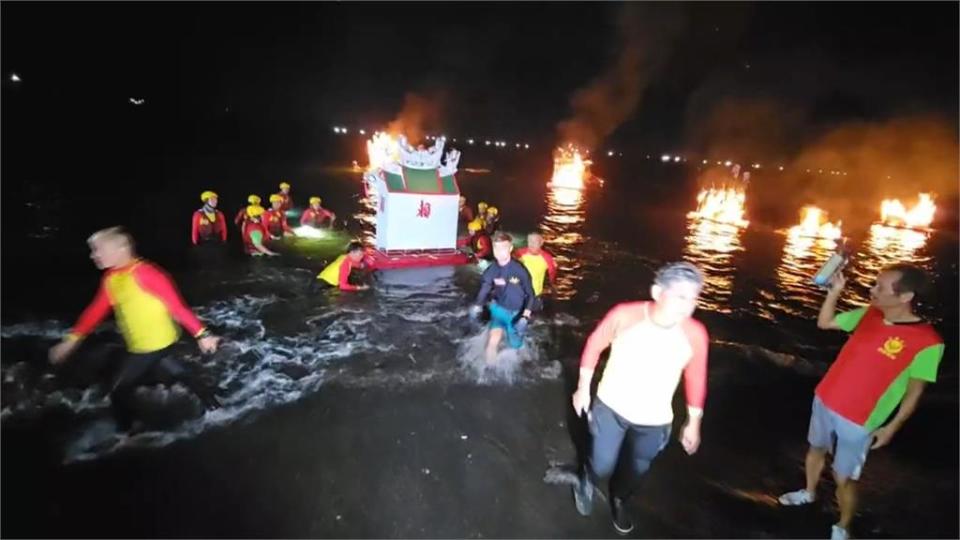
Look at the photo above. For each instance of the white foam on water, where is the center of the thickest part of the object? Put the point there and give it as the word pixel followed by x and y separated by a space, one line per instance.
pixel 509 366
pixel 43 329
pixel 404 340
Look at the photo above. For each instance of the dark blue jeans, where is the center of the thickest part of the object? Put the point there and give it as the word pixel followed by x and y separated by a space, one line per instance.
pixel 608 433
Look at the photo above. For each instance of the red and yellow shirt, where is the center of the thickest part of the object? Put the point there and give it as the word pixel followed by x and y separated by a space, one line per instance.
pixel 869 378
pixel 254 234
pixel 539 265
pixel 337 273
pixel 146 304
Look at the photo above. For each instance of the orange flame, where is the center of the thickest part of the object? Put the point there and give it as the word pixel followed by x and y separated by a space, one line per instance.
pixel 815 225
pixel 722 205
pixel 569 168
pixel 381 149
pixel 895 214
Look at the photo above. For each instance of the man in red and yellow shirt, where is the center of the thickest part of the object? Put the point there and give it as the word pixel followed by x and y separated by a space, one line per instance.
pixel 255 235
pixel 275 219
pixel 241 217
pixel 148 308
pixel 286 197
pixel 316 215
pixel 337 273
pixel 208 222
pixel 890 357
pixel 479 241
pixel 539 262
pixel 652 344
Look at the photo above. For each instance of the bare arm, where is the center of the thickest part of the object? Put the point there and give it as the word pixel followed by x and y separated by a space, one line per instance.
pixel 827 319
pixel 883 435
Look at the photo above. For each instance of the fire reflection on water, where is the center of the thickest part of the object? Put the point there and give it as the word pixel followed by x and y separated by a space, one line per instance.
pixel 562 230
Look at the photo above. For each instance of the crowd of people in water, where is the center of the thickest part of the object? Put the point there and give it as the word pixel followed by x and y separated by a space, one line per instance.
pixel 258 226
pixel 866 396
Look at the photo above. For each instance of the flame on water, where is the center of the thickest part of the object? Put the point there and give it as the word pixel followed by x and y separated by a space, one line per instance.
pixel 895 214
pixel 724 205
pixel 815 225
pixel 382 148
pixel 569 168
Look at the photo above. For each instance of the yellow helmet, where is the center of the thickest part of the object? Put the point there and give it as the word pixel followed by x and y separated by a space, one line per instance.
pixel 474 225
pixel 284 185
pixel 207 195
pixel 493 210
pixel 253 199
pixel 276 197
pixel 254 210
pixel 314 200
pixel 482 207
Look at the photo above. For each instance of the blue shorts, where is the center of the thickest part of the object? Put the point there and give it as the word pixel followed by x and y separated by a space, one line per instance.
pixel 504 319
pixel 849 442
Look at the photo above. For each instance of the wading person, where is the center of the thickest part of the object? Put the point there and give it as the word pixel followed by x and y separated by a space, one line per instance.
pixel 147 307
pixel 652 344
pixel 539 262
pixel 890 357
pixel 286 197
pixel 255 235
pixel 241 217
pixel 513 296
pixel 315 215
pixel 275 219
pixel 337 274
pixel 208 225
pixel 479 241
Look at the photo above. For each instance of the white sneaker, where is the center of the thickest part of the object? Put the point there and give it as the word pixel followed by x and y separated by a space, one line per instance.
pixel 839 533
pixel 796 498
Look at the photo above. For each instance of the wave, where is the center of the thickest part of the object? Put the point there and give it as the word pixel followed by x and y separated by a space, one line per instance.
pixel 406 340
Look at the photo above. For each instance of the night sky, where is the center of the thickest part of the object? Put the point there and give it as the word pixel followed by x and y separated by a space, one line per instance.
pixel 503 69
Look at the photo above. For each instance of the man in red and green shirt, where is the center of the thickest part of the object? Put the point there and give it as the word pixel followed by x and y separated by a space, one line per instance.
pixel 890 357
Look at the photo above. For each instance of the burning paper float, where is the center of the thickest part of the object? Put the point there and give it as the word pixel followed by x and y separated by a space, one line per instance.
pixel 815 225
pixel 722 205
pixel 569 168
pixel 893 213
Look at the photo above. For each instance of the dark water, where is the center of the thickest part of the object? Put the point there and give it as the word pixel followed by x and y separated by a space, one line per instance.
pixel 285 344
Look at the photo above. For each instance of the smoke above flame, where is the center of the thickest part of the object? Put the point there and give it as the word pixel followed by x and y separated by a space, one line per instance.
pixel 646 34
pixel 421 114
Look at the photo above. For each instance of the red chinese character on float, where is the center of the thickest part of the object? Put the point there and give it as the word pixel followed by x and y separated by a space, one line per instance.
pixel 424 210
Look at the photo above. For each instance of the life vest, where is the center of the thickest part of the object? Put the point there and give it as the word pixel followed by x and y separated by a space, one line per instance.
pixel 248 229
pixel 314 218
pixel 208 227
pixel 481 246
pixel 331 274
pixel 276 222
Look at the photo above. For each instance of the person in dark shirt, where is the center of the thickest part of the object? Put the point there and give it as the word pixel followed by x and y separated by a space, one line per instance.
pixel 513 297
